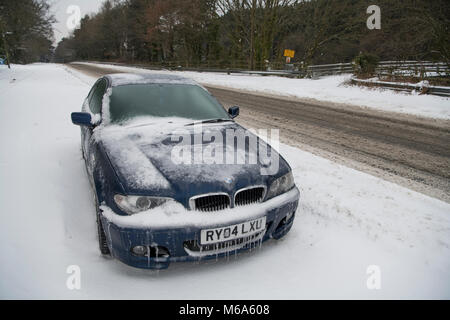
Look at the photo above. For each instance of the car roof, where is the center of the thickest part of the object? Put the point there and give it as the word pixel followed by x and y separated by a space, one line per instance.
pixel 120 79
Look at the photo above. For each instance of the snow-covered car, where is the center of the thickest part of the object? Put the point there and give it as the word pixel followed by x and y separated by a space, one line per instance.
pixel 155 203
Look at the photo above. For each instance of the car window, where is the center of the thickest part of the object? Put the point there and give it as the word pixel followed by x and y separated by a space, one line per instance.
pixel 163 100
pixel 92 90
pixel 95 101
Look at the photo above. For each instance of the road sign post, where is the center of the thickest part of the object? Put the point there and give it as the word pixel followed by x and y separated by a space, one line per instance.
pixel 289 54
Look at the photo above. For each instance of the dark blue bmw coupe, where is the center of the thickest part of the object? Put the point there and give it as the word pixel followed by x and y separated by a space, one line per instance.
pixel 175 178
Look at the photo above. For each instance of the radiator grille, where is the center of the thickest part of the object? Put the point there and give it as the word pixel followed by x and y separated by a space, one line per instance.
pixel 249 196
pixel 212 202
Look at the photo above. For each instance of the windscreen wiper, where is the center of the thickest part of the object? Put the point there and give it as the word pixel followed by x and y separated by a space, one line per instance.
pixel 210 121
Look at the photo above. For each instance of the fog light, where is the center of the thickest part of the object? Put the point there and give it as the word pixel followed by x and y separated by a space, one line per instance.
pixel 140 250
pixel 162 252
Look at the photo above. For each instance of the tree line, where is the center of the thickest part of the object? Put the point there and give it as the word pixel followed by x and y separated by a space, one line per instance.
pixel 249 34
pixel 26 33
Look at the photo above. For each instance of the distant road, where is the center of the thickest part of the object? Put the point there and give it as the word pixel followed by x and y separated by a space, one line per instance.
pixel 411 151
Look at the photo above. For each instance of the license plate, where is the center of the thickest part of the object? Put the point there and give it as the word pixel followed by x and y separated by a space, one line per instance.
pixel 236 231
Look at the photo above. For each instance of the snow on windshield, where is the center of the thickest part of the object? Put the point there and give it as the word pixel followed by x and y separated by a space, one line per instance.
pixel 139 78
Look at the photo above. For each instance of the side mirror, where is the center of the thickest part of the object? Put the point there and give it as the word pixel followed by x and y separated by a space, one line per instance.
pixel 81 119
pixel 233 112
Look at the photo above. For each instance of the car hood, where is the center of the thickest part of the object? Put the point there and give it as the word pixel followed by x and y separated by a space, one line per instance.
pixel 150 159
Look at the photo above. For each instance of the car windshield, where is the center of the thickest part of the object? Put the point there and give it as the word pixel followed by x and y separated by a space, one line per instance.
pixel 163 100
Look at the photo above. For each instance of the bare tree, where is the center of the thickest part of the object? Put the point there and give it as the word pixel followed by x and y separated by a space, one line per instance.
pixel 257 23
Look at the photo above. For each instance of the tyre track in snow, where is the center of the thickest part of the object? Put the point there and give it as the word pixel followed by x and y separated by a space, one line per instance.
pixel 408 150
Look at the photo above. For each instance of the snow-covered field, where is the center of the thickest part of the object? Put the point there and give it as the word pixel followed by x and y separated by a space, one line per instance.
pixel 347 220
pixel 328 89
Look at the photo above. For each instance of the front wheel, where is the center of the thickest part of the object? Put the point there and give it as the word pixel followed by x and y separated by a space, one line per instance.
pixel 102 243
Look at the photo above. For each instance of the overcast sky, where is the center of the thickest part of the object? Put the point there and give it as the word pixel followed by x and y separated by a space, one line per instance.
pixel 59 9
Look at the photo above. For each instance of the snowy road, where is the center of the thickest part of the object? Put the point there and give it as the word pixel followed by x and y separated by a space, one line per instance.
pixel 347 220
pixel 404 149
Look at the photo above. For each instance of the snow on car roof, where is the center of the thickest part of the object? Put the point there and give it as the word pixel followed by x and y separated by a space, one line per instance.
pixel 119 79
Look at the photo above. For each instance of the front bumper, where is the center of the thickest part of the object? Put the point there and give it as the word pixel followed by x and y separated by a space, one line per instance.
pixel 182 243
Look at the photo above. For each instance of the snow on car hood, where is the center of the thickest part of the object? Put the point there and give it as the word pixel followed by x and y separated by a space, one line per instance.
pixel 142 156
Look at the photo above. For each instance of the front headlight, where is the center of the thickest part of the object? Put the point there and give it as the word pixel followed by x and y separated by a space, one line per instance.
pixel 281 185
pixel 135 204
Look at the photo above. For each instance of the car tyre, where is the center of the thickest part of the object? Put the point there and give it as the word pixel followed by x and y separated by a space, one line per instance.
pixel 102 243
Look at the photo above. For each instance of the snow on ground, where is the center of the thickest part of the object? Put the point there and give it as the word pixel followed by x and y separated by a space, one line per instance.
pixel 347 220
pixel 329 89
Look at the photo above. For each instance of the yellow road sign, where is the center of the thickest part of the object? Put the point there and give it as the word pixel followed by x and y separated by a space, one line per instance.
pixel 289 53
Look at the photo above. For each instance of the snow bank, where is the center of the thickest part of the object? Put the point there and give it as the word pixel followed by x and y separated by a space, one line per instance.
pixel 329 89
pixel 347 221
